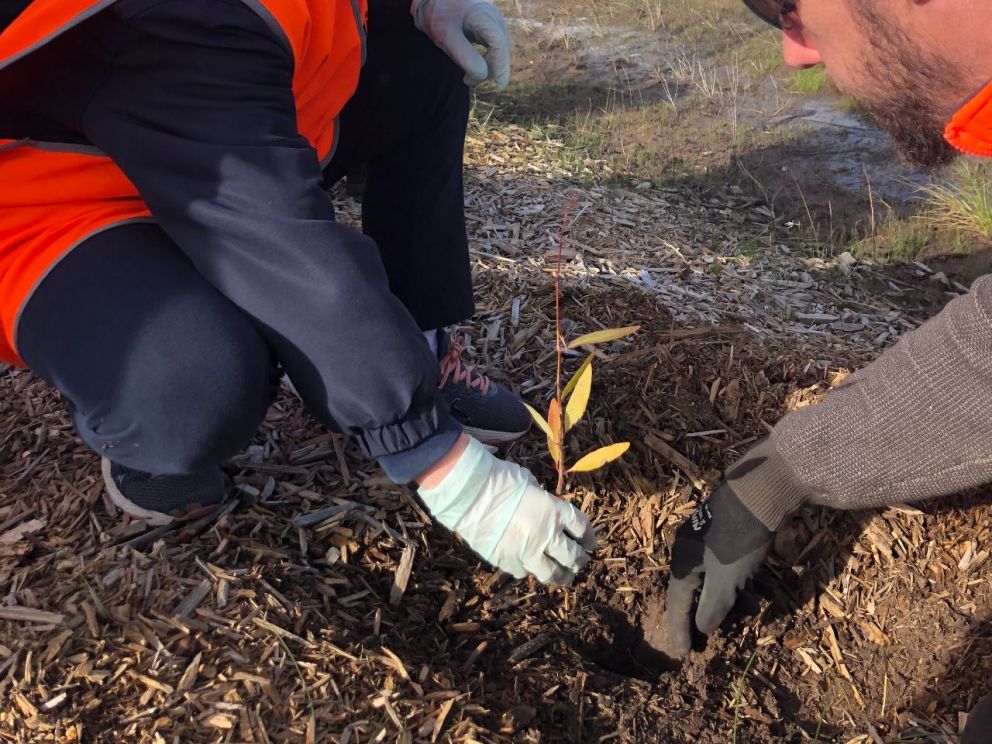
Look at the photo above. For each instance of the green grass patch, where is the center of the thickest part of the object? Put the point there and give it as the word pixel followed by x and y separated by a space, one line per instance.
pixel 964 204
pixel 896 239
pixel 759 54
pixel 750 248
pixel 809 80
pixel 901 239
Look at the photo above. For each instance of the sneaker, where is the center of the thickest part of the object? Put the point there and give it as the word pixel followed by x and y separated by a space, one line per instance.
pixel 161 499
pixel 490 413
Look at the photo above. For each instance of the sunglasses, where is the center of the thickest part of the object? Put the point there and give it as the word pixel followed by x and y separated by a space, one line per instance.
pixel 774 12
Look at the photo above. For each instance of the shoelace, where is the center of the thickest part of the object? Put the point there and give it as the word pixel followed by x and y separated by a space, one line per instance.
pixel 453 368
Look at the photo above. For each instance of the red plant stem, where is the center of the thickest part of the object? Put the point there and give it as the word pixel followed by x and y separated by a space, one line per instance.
pixel 560 343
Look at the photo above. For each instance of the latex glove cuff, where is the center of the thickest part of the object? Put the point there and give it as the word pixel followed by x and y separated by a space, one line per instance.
pixel 454 501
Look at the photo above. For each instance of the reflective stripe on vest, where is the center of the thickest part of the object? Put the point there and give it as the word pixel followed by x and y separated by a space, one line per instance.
pixel 53 196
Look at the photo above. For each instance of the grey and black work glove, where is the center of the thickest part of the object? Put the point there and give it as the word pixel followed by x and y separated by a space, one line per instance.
pixel 723 543
pixel 914 424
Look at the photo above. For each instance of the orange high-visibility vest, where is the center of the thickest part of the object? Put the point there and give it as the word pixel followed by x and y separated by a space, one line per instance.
pixel 54 196
pixel 971 128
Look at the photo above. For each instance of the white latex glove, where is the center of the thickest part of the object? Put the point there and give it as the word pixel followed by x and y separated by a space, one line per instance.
pixel 455 25
pixel 507 518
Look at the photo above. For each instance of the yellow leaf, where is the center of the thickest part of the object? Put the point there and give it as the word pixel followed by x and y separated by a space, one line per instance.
pixel 575 378
pixel 539 420
pixel 554 419
pixel 598 458
pixel 576 406
pixel 601 337
pixel 554 449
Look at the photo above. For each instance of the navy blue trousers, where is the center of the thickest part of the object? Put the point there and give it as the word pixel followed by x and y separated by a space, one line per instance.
pixel 167 337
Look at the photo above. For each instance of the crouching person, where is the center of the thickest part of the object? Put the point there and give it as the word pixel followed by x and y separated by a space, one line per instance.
pixel 168 248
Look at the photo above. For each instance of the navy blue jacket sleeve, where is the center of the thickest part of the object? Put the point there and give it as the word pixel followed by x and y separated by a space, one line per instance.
pixel 199 113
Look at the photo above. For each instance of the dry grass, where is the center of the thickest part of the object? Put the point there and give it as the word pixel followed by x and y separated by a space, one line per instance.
pixel 658 98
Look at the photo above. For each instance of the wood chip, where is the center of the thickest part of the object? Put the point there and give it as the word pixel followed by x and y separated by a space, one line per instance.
pixel 30 615
pixel 402 576
pixel 442 716
pixel 676 458
pixel 188 679
pixel 20 532
pixel 281 632
pixel 529 648
pixel 191 601
pixel 392 660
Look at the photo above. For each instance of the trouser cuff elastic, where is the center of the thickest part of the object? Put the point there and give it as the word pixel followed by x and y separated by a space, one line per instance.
pixel 404 466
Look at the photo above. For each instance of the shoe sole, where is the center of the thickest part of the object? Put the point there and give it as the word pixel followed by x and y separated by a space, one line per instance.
pixel 494 437
pixel 153 518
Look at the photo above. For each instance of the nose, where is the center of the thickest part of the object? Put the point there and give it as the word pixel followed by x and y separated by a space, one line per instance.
pixel 797 50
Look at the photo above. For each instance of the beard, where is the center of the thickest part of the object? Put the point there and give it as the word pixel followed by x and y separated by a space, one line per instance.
pixel 917 133
pixel 911 94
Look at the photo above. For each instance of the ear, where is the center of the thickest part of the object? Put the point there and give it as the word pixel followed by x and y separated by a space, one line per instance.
pixel 797 49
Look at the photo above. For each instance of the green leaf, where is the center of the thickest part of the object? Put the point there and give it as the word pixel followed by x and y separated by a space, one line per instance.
pixel 539 420
pixel 576 406
pixel 601 337
pixel 575 378
pixel 598 458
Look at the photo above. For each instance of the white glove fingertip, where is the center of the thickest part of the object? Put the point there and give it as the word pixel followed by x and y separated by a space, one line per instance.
pixel 485 25
pixel 476 70
pixel 565 580
pixel 499 53
pixel 549 571
pixel 567 553
pixel 502 79
pixel 578 526
pixel 588 541
pixel 517 572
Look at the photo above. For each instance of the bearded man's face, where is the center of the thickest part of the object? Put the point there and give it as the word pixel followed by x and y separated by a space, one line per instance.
pixel 906 81
pixel 907 91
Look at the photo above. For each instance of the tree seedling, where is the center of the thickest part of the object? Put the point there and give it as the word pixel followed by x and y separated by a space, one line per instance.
pixel 569 404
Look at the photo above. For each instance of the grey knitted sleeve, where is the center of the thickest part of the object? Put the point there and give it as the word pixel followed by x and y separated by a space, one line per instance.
pixel 914 424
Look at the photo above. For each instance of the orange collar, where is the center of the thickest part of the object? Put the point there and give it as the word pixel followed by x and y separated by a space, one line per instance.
pixel 970 129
